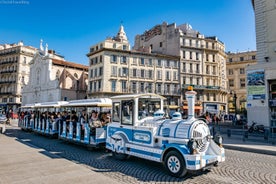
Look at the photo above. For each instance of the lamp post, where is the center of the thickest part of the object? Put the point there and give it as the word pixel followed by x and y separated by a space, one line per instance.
pixel 235 103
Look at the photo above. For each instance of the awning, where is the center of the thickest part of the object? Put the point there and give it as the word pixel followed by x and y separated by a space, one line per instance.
pixel 196 107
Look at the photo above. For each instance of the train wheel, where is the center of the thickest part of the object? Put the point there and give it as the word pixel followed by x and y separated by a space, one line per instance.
pixel 175 164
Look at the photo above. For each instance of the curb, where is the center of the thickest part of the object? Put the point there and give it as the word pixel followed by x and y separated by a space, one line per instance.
pixel 252 150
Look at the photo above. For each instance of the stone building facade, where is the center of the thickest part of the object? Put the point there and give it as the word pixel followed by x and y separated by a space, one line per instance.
pixel 52 78
pixel 14 73
pixel 261 102
pixel 116 69
pixel 236 65
pixel 202 62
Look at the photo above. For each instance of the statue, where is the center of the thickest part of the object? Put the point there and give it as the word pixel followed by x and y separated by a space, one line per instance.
pixel 46 49
pixel 41 46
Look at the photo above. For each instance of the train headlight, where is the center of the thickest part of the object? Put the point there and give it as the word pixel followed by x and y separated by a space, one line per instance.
pixel 218 140
pixel 192 145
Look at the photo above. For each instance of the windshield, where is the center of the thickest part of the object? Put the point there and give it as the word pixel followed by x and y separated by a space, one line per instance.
pixel 147 106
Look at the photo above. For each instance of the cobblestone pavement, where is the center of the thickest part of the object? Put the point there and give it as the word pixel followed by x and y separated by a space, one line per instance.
pixel 240 167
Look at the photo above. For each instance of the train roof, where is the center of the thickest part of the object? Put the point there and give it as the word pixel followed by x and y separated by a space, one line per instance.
pixel 28 106
pixel 95 102
pixel 133 96
pixel 50 104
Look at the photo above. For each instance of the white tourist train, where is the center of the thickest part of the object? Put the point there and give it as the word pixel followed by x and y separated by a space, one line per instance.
pixel 133 124
pixel 139 129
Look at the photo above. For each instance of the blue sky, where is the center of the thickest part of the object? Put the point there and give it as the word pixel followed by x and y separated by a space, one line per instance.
pixel 71 26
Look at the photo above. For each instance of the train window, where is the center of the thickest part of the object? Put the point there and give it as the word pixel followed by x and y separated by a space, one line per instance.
pixel 116 112
pixel 127 112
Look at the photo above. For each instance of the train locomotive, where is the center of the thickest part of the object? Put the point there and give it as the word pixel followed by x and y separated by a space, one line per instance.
pixel 182 145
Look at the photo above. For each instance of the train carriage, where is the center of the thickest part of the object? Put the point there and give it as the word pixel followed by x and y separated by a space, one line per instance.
pixel 45 118
pixel 24 120
pixel 139 129
pixel 84 129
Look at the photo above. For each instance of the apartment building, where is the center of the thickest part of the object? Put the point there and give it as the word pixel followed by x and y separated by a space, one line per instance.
pixel 236 65
pixel 202 62
pixel 116 69
pixel 14 73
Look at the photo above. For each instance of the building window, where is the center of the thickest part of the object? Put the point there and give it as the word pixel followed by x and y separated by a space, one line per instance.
pixel 168 63
pixel 159 75
pixel 184 54
pixel 214 58
pixel 95 72
pixel 142 61
pixel 168 75
pixel 124 86
pixel 214 70
pixel 184 80
pixel 191 55
pixel 208 97
pixel 184 67
pixel 113 71
pixel 242 71
pixel 124 72
pixel 90 85
pixel 113 85
pixel 174 75
pixel 25 60
pixel 123 60
pixel 99 85
pixel 150 74
pixel 150 62
pixel 230 72
pixel 114 59
pixel 197 68
pixel 207 57
pixel 197 81
pixel 191 68
pixel 214 97
pixel 159 62
pixel 100 71
pixel 124 47
pixel 253 57
pixel 231 83
pixel 159 88
pixel 142 87
pixel 101 58
pixel 142 73
pixel 191 80
pixel 242 83
pixel 197 56
pixel 241 58
pixel 114 45
pixel 134 72
pixel 134 62
pixel 230 60
pixel 134 87
pixel 160 44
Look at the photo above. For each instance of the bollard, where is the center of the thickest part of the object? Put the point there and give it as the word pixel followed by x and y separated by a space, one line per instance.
pixel 228 132
pixel 245 134
pixel 266 134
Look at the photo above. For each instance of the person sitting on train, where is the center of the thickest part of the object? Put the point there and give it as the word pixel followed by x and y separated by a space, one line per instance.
pixel 103 120
pixel 83 121
pixel 58 120
pixel 92 122
pixel 74 119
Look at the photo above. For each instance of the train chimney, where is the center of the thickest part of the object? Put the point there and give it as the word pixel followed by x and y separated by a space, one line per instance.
pixel 190 96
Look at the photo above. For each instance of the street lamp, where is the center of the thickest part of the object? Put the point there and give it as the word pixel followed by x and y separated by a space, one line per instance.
pixel 235 103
